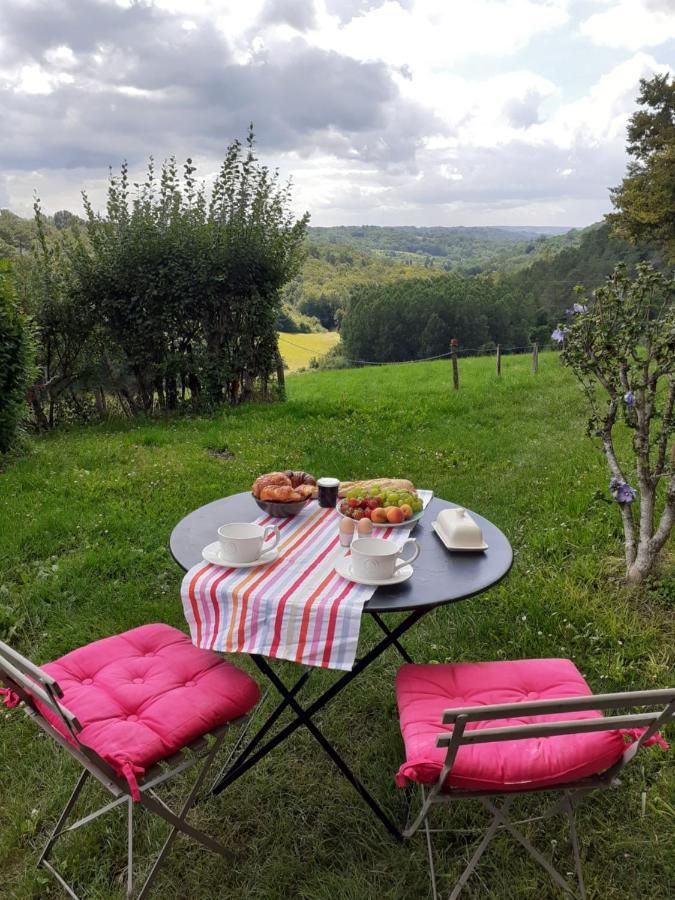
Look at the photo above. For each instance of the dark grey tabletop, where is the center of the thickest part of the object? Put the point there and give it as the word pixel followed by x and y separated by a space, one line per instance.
pixel 439 577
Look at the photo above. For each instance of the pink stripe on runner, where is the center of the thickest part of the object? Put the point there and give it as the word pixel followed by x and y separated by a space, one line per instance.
pixel 216 605
pixel 314 651
pixel 193 602
pixel 203 587
pixel 328 646
pixel 283 574
pixel 296 584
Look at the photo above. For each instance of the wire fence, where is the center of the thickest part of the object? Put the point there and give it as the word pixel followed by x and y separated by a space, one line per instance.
pixel 459 352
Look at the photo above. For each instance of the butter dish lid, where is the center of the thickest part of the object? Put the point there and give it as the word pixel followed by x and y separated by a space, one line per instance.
pixel 458 530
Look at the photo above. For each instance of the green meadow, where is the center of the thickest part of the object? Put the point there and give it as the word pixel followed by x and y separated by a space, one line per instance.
pixel 86 516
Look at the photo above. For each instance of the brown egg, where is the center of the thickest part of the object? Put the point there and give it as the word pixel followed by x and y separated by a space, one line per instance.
pixel 364 527
pixel 347 526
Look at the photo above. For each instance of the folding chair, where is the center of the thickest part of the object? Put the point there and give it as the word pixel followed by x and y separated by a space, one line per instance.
pixel 134 710
pixel 550 736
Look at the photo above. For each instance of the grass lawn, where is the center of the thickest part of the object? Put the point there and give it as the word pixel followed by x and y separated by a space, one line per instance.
pixel 86 517
pixel 298 349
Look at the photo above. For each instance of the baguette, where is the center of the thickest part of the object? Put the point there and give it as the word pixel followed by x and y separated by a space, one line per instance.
pixel 376 484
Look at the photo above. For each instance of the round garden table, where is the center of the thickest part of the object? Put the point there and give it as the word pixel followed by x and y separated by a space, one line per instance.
pixel 440 577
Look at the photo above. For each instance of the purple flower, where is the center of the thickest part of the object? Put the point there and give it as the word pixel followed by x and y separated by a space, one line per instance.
pixel 621 491
pixel 576 308
pixel 559 335
pixel 629 399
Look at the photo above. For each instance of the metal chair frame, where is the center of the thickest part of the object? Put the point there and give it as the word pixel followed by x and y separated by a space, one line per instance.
pixel 570 792
pixel 29 682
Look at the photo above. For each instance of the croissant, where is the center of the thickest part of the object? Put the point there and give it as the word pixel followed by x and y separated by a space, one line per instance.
pixel 298 478
pixel 306 490
pixel 283 493
pixel 271 479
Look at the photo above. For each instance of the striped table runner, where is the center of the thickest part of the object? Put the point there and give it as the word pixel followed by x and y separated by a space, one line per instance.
pixel 296 608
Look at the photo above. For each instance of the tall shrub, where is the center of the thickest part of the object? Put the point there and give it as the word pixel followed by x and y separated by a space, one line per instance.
pixel 16 359
pixel 184 284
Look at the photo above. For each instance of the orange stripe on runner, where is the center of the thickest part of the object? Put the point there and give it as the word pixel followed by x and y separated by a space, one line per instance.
pixel 294 540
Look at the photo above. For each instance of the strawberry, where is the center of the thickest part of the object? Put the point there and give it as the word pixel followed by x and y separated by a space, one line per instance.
pixel 373 503
pixel 353 502
pixel 367 513
pixel 357 514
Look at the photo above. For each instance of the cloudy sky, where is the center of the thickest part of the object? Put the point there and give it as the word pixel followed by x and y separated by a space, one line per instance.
pixel 425 112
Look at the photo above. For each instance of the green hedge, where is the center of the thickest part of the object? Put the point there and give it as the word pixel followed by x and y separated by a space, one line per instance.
pixel 16 359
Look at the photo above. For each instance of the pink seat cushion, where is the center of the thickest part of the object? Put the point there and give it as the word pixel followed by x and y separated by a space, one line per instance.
pixel 145 694
pixel 425 691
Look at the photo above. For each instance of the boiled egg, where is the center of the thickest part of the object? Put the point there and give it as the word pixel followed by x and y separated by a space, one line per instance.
pixel 364 527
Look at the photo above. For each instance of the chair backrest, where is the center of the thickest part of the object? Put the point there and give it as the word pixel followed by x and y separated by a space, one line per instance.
pixel 651 721
pixel 30 682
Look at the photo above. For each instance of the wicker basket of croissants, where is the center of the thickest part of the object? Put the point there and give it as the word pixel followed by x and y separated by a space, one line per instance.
pixel 284 493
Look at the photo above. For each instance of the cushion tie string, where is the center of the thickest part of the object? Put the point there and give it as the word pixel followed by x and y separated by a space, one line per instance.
pixel 634 734
pixel 130 771
pixel 9 698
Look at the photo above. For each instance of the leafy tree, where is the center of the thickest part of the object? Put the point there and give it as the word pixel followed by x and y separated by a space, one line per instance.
pixel 645 199
pixel 620 343
pixel 16 359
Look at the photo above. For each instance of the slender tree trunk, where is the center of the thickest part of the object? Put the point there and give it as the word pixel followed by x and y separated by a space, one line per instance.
pixel 40 418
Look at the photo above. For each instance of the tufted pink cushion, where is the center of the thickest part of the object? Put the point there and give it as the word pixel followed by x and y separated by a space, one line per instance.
pixel 145 694
pixel 425 691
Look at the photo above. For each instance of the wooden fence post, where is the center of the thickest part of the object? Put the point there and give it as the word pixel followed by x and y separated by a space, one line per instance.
pixel 454 343
pixel 499 360
pixel 535 358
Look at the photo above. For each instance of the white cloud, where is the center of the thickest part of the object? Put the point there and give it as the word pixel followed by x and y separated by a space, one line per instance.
pixel 632 24
pixel 601 115
pixel 434 33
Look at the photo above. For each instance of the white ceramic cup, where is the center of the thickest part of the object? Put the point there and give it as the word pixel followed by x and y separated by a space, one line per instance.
pixel 375 558
pixel 242 542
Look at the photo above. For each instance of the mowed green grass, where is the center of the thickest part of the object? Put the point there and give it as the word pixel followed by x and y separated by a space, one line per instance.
pixel 298 349
pixel 86 516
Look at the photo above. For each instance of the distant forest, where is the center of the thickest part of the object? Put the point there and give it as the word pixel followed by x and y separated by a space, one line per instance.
pixel 534 270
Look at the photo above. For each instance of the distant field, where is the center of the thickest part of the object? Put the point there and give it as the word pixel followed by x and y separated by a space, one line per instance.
pixel 298 349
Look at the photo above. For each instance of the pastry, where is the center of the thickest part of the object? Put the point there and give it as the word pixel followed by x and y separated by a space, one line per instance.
pixel 280 493
pixel 300 478
pixel 270 480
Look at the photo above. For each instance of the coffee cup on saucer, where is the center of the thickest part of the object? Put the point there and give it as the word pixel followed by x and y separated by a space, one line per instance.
pixel 242 542
pixel 376 559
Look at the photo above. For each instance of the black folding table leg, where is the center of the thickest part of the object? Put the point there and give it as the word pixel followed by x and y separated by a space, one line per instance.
pixel 231 773
pixel 265 667
pixel 385 628
pixel 321 701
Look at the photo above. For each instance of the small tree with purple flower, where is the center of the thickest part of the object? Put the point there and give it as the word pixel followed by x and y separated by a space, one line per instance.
pixel 620 343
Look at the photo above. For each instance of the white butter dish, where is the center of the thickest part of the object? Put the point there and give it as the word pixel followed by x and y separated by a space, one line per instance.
pixel 459 531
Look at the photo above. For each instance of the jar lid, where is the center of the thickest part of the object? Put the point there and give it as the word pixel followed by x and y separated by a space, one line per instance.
pixel 328 482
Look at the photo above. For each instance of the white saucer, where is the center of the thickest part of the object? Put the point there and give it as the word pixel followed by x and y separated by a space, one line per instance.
pixel 449 546
pixel 213 554
pixel 344 567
